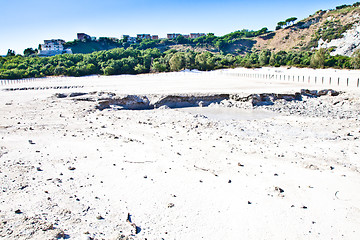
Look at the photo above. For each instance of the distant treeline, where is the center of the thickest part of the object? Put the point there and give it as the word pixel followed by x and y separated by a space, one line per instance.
pixel 135 61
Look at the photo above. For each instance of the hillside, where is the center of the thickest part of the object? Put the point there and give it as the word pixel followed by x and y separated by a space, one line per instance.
pixel 238 43
pixel 91 46
pixel 338 29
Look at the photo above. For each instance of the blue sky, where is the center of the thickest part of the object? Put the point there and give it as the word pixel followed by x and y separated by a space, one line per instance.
pixel 26 23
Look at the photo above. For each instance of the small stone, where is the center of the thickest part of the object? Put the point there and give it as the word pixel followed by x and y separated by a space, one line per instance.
pixel 332 168
pixel 279 189
pixel 60 234
pixel 171 205
pixel 18 211
pixel 249 202
pixel 229 181
pixel 39 169
pixel 71 168
pixel 99 217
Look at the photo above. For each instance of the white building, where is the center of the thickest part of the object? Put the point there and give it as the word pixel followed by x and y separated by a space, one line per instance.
pixel 53 47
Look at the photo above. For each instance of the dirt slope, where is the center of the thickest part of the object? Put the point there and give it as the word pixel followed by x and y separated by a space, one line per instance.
pixel 305 35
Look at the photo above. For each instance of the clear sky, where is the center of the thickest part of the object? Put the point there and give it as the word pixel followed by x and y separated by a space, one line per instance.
pixel 26 23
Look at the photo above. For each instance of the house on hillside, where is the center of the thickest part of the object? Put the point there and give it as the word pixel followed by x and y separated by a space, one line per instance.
pixel 83 36
pixel 144 36
pixel 53 47
pixel 196 35
pixel 154 37
pixel 173 35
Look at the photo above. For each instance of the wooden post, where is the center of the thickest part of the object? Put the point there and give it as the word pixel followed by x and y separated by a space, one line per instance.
pixel 358 83
pixel 338 81
pixel 347 81
pixel 330 81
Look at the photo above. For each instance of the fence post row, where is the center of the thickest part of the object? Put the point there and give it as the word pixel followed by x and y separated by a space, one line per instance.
pixel 283 77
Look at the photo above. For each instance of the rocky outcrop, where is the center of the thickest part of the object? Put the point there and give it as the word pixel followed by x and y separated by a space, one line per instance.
pixel 141 102
pixel 132 102
pixel 173 101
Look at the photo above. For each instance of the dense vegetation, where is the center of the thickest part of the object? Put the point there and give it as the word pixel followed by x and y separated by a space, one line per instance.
pixel 134 61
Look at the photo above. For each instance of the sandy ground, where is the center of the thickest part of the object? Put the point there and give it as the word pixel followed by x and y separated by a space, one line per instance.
pixel 289 170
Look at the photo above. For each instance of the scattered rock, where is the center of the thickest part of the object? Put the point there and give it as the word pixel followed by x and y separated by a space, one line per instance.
pixel 18 211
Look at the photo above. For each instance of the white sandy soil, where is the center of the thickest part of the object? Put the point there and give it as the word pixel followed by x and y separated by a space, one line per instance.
pixel 228 171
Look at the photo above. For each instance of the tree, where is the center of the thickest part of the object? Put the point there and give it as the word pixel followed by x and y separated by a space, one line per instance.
pixel 264 57
pixel 140 68
pixel 29 51
pixel 318 59
pixel 10 53
pixel 220 44
pixel 205 61
pixel 181 40
pixel 290 20
pixel 190 60
pixel 281 24
pixel 355 59
pixel 177 62
pixel 158 67
pixel 59 70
